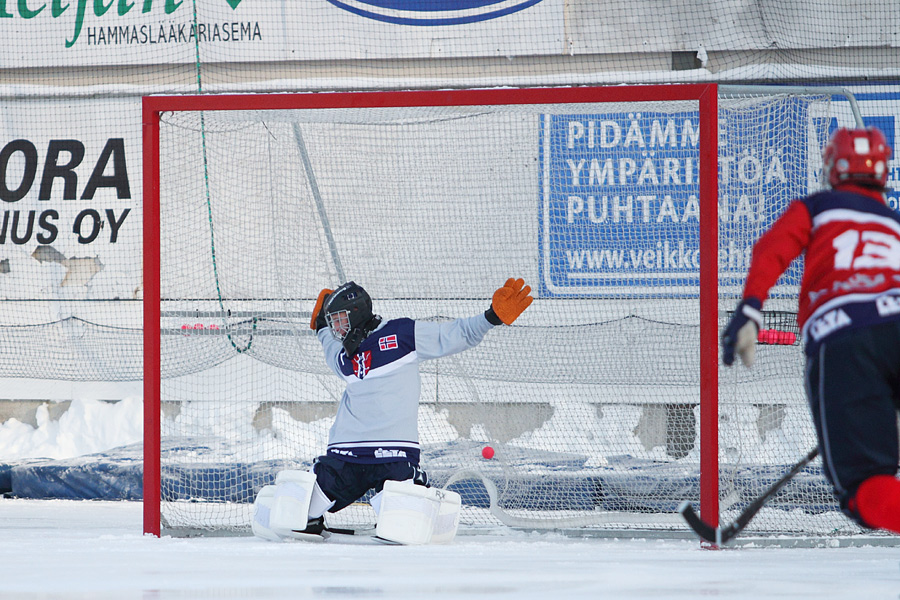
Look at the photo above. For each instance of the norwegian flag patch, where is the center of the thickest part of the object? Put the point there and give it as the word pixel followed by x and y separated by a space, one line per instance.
pixel 388 342
pixel 362 362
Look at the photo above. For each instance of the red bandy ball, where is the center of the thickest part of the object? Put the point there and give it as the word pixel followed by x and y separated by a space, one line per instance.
pixel 487 452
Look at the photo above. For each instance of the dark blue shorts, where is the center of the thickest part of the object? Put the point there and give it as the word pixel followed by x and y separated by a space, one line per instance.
pixel 853 385
pixel 346 482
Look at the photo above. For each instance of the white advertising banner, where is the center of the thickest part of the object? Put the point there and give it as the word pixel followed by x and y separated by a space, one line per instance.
pixel 142 32
pixel 70 190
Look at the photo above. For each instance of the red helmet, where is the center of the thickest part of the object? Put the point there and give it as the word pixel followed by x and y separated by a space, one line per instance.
pixel 857 156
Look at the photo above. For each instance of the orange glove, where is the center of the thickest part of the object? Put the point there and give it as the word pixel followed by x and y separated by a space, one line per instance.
pixel 317 321
pixel 510 300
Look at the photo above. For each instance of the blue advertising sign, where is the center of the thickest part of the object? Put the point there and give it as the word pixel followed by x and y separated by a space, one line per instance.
pixel 620 206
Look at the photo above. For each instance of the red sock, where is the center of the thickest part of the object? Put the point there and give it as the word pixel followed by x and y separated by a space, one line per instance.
pixel 878 502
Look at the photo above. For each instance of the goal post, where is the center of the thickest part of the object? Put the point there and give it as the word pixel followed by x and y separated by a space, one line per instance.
pixel 602 403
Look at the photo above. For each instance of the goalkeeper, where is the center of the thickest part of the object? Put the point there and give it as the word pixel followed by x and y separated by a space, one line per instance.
pixel 849 316
pixel 374 437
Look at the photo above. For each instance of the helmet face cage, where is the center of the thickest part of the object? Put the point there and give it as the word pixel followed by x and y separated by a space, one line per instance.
pixel 856 156
pixel 347 308
pixel 339 323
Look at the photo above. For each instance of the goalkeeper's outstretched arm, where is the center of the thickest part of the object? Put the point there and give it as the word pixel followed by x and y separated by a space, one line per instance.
pixel 434 340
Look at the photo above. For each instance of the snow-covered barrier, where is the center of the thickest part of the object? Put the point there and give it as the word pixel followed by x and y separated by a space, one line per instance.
pixel 117 475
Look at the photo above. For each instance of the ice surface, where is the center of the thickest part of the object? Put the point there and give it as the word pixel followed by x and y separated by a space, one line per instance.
pixel 77 549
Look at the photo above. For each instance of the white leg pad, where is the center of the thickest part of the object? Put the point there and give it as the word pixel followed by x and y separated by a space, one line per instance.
pixel 375 502
pixel 290 503
pixel 413 514
pixel 262 508
pixel 447 521
pixel 319 503
pixel 407 513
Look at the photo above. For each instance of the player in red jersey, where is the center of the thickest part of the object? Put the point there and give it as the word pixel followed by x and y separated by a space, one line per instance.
pixel 849 316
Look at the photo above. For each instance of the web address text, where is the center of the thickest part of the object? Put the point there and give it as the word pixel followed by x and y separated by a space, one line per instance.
pixel 665 257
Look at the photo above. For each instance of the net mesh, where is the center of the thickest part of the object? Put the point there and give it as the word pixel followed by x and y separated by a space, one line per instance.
pixel 590 400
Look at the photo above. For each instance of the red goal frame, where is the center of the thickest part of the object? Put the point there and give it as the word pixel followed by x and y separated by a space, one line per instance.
pixel 705 94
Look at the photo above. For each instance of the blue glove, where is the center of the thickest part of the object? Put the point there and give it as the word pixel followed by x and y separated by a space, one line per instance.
pixel 741 333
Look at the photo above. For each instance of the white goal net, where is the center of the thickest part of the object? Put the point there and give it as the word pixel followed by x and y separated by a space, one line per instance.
pixel 591 400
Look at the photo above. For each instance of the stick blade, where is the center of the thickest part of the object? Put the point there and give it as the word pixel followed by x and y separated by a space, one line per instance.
pixel 701 528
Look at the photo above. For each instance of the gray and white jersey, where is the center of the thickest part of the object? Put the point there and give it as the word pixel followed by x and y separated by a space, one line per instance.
pixel 377 419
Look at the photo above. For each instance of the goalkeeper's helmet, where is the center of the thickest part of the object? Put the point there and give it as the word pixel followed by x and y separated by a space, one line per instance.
pixel 856 156
pixel 348 313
